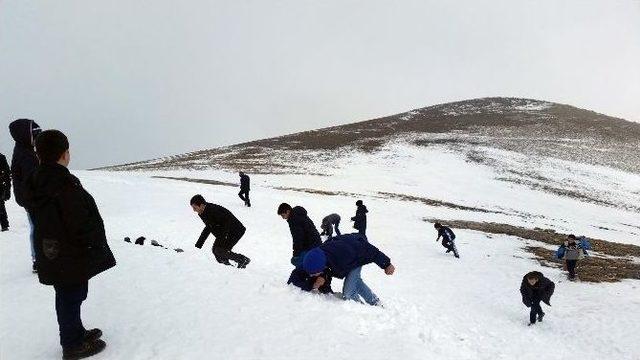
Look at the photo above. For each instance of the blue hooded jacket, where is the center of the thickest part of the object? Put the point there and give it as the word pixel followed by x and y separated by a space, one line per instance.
pixel 350 251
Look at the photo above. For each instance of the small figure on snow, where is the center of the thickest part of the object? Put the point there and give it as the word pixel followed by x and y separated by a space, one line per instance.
pixel 571 251
pixel 303 232
pixel 245 187
pixel 226 228
pixel 329 223
pixel 448 238
pixel 534 289
pixel 343 257
pixel 360 220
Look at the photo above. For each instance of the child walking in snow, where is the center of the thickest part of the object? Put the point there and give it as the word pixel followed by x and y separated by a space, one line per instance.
pixel 535 288
pixel 571 251
pixel 448 238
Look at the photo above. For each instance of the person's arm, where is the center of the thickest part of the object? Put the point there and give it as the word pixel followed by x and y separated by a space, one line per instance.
pixel 203 237
pixel 299 278
pixel 372 254
pixel 526 300
pixel 548 291
pixel 297 234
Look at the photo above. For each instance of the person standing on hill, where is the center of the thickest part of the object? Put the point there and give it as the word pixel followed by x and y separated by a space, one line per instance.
pixel 360 220
pixel 226 228
pixel 5 191
pixel 448 238
pixel 329 223
pixel 534 289
pixel 303 232
pixel 571 251
pixel 23 163
pixel 70 241
pixel 245 187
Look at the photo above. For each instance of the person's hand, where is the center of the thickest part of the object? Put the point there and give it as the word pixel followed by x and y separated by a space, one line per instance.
pixel 390 269
pixel 318 283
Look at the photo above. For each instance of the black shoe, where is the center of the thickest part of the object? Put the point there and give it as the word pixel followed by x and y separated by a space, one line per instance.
pixel 531 324
pixel 5 229
pixel 92 335
pixel 34 268
pixel 85 350
pixel 243 264
pixel 540 316
pixel 448 251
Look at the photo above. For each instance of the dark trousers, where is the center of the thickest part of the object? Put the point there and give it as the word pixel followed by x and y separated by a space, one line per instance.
pixel 571 266
pixel 536 310
pixel 4 221
pixel 222 247
pixel 69 298
pixel 244 195
pixel 362 231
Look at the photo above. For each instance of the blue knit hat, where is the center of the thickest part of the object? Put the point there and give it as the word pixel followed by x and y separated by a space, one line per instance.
pixel 314 261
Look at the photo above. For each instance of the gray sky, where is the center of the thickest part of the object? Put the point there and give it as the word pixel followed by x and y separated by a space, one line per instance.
pixel 130 80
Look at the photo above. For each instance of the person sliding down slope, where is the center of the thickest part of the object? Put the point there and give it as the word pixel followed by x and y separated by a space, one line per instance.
pixel 448 238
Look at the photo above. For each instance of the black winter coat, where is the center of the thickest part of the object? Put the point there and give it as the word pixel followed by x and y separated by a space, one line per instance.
pixel 541 291
pixel 245 182
pixel 221 223
pixel 360 220
pixel 24 160
pixel 304 232
pixel 304 281
pixel 5 179
pixel 69 238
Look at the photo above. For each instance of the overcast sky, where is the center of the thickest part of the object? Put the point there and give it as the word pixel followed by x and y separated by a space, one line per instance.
pixel 130 80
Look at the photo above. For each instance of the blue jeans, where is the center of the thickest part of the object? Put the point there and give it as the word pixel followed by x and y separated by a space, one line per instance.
pixel 33 250
pixel 69 298
pixel 354 288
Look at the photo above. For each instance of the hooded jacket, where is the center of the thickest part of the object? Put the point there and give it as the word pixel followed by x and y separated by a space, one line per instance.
pixel 24 160
pixel 5 179
pixel 360 220
pixel 303 231
pixel 69 237
pixel 347 252
pixel 245 182
pixel 541 291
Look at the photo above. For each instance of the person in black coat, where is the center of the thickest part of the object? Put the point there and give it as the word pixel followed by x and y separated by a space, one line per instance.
pixel 245 187
pixel 306 282
pixel 23 163
pixel 303 231
pixel 535 288
pixel 70 242
pixel 360 220
pixel 226 228
pixel 448 238
pixel 5 191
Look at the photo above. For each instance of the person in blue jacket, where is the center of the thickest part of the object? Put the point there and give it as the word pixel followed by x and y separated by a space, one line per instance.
pixel 571 251
pixel 448 238
pixel 343 257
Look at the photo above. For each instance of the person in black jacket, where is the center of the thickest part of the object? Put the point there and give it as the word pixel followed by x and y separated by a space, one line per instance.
pixel 303 231
pixel 535 288
pixel 245 187
pixel 226 228
pixel 5 191
pixel 448 238
pixel 360 220
pixel 70 242
pixel 23 163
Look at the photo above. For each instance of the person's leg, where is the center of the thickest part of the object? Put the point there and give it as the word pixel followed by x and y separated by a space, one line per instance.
pixel 365 292
pixel 241 196
pixel 31 233
pixel 248 201
pixel 329 231
pixel 221 255
pixel 4 221
pixel 571 266
pixel 337 229
pixel 535 310
pixel 68 302
pixel 351 285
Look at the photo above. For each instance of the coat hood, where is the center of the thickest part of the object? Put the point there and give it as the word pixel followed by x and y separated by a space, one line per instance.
pixel 298 211
pixel 23 131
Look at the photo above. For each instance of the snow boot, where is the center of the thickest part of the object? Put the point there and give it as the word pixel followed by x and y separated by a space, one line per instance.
pixel 92 335
pixel 34 268
pixel 243 264
pixel 540 317
pixel 84 350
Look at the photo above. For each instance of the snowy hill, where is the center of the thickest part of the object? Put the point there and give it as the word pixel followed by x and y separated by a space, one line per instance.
pixel 483 166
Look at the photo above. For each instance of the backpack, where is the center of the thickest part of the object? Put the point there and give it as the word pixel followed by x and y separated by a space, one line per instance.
pixel 572 251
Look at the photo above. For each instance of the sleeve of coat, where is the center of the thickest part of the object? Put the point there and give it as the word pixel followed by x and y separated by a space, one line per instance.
pixel 550 288
pixel 372 254
pixel 203 237
pixel 300 279
pixel 77 216
pixel 526 300
pixel 297 233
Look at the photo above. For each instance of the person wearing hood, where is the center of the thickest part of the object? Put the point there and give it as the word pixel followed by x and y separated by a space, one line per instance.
pixel 245 187
pixel 343 257
pixel 448 238
pixel 330 222
pixel 534 289
pixel 23 163
pixel 5 191
pixel 360 220
pixel 70 241
pixel 303 231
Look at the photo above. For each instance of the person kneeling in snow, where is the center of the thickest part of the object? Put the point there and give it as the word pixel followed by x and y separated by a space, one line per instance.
pixel 448 238
pixel 535 288
pixel 307 282
pixel 571 251
pixel 343 257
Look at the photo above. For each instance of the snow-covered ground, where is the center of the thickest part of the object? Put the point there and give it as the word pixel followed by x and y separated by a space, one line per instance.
pixel 159 304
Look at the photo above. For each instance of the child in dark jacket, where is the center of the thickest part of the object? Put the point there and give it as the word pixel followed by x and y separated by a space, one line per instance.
pixel 535 288
pixel 343 257
pixel 448 238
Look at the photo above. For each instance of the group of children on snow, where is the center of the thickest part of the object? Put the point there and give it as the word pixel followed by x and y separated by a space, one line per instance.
pixel 69 244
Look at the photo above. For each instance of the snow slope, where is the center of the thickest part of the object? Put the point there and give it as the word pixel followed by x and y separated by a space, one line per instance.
pixel 158 304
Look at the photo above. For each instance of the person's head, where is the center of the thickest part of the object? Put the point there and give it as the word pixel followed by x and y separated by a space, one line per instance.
pixel 437 225
pixel 24 131
pixel 284 210
pixel 52 147
pixel 198 204
pixel 359 203
pixel 314 262
pixel 532 279
pixel 240 173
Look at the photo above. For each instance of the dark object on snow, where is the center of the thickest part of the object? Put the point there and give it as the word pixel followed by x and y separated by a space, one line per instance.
pixel 178 250
pixel 127 239
pixel 448 238
pixel 328 223
pixel 245 187
pixel 360 220
pixel 24 160
pixel 84 350
pixel 155 243
pixel 140 240
pixel 227 229
pixel 532 295
pixel 303 231
pixel 304 281
pixel 5 191
pixel 70 241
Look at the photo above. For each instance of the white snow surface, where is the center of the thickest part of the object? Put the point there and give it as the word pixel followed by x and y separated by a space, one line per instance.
pixel 159 304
